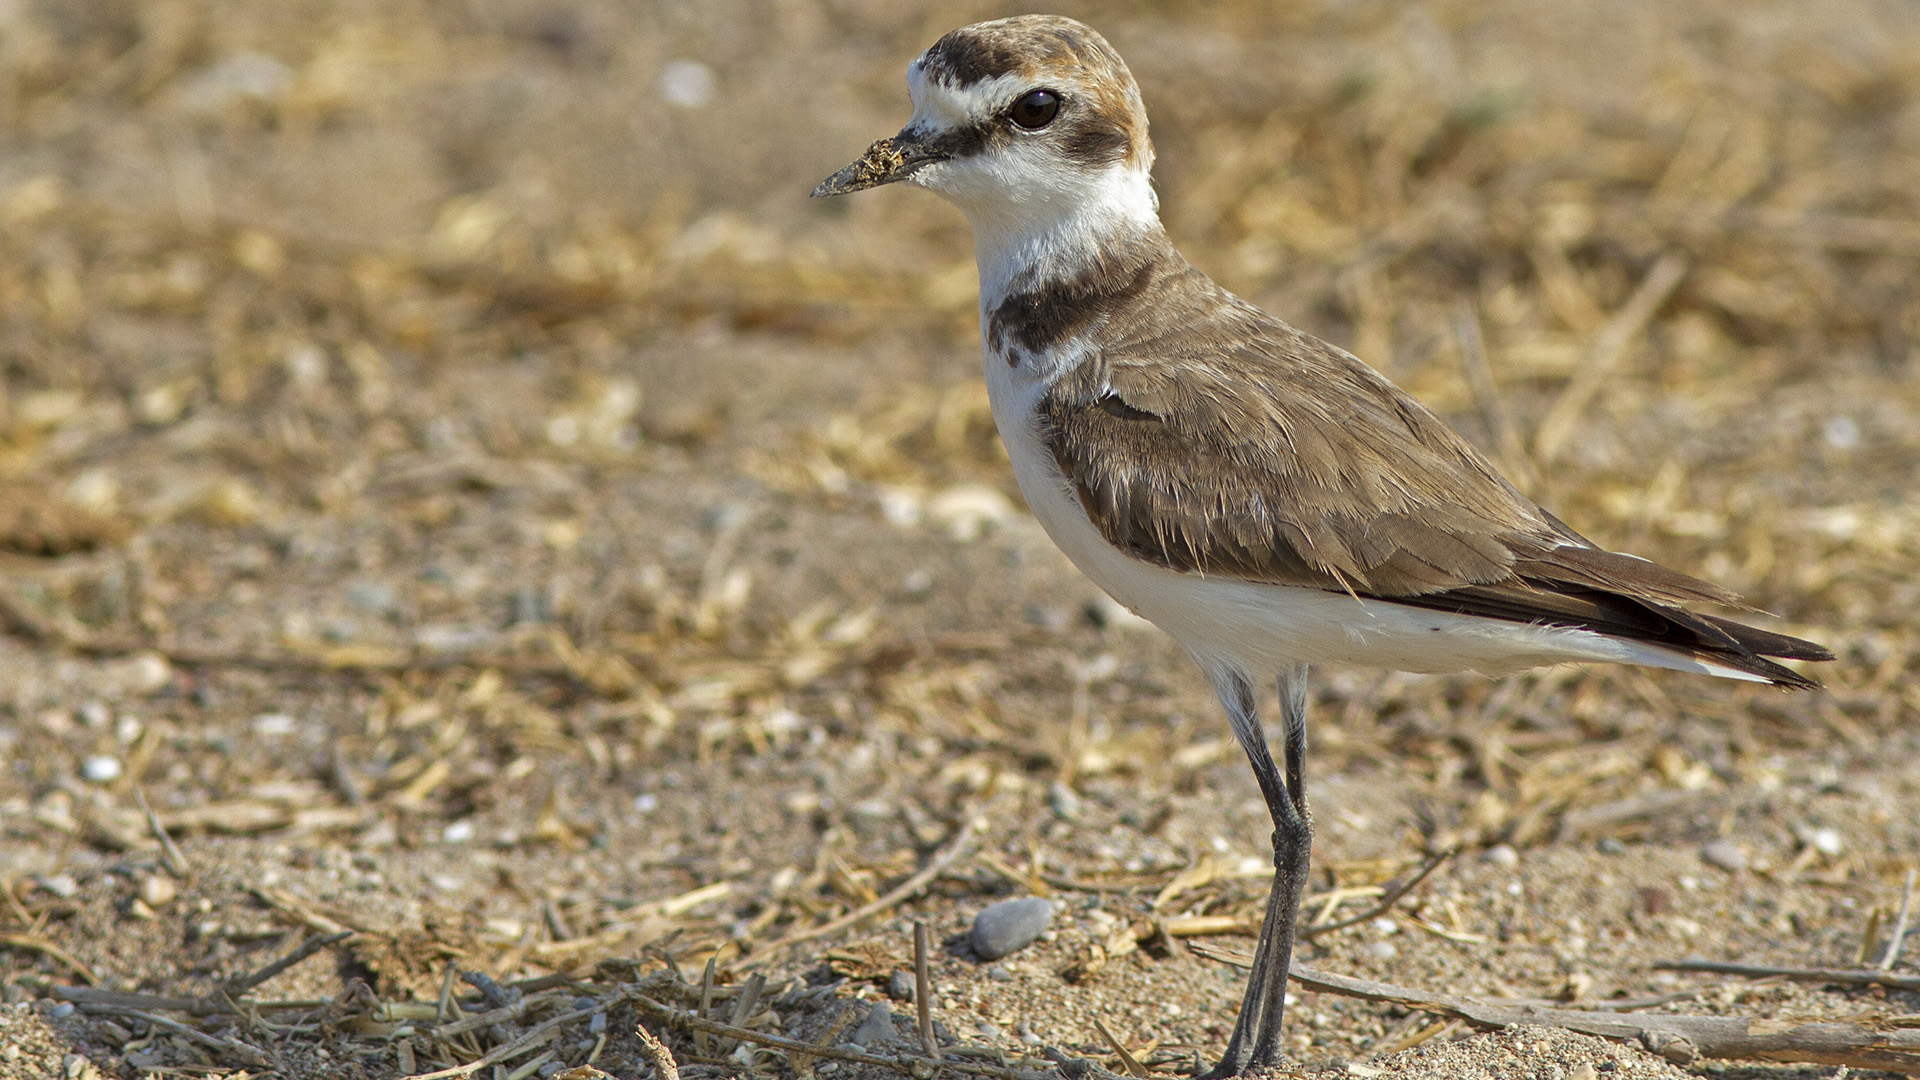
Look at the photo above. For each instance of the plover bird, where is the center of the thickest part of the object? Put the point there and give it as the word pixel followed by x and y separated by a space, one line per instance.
pixel 1262 496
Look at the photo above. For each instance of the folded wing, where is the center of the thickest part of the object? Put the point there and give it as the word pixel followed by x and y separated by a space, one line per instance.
pixel 1197 450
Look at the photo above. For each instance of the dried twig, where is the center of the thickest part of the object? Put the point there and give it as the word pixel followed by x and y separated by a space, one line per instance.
pixel 505 1014
pixel 38 944
pixel 664 1067
pixel 1061 881
pixel 251 1055
pixel 234 987
pixel 1680 1039
pixel 1073 1068
pixel 533 1037
pixel 923 990
pixel 1608 350
pixel 1387 901
pixel 803 1063
pixel 1486 396
pixel 909 1064
pixel 906 890
pixel 1415 1035
pixel 176 862
pixel 1843 976
pixel 1127 1060
pixel 706 1007
pixel 1899 935
pixel 223 1000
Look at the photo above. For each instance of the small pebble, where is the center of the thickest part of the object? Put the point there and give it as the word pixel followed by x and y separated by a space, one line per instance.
pixel 986 1031
pixel 60 885
pixel 1724 854
pixel 598 1024
pixel 1063 802
pixel 999 974
pixel 158 891
pixel 877 1026
pixel 100 769
pixel 1380 950
pixel 61 1011
pixel 1827 842
pixel 687 83
pixel 114 1033
pixel 1009 926
pixel 900 986
pixel 1610 846
pixel 1501 855
pixel 458 832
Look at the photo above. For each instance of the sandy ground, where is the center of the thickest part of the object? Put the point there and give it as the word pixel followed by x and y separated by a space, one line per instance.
pixel 454 476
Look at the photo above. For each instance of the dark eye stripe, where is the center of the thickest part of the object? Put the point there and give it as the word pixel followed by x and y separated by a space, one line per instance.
pixel 1093 141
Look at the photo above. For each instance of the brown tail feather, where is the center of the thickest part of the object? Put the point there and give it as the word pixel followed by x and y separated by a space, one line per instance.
pixel 1767 643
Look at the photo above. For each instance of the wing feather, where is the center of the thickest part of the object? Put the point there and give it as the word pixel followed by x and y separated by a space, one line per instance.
pixel 1223 441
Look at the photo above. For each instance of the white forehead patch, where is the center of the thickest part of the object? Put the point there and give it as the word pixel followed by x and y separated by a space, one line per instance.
pixel 937 106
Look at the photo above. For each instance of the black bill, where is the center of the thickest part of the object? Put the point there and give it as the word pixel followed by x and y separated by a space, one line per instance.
pixel 885 162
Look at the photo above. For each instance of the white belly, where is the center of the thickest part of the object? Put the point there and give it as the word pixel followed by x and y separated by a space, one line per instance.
pixel 1258 628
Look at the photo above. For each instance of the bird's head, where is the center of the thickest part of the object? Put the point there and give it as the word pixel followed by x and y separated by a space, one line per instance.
pixel 1019 122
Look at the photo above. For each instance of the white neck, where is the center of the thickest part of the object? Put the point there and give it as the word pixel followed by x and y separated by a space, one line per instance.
pixel 1058 230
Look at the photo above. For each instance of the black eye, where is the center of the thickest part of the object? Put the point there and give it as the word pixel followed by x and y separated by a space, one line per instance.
pixel 1036 110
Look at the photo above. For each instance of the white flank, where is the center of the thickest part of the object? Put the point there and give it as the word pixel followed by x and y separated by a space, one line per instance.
pixel 1257 629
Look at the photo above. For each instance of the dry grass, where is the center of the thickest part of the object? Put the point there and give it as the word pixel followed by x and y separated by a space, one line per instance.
pixel 400 407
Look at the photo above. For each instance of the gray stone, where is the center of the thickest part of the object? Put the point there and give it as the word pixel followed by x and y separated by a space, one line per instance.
pixel 1724 854
pixel 1501 855
pixel 1065 804
pixel 900 986
pixel 373 596
pixel 999 974
pixel 877 1027
pixel 1010 925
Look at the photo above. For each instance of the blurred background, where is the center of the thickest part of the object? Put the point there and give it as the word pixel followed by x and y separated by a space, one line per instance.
pixel 444 454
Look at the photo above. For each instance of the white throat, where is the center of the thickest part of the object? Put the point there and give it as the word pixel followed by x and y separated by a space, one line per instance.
pixel 1055 234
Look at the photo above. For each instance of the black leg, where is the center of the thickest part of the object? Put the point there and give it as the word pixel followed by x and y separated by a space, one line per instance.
pixel 1256 1035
